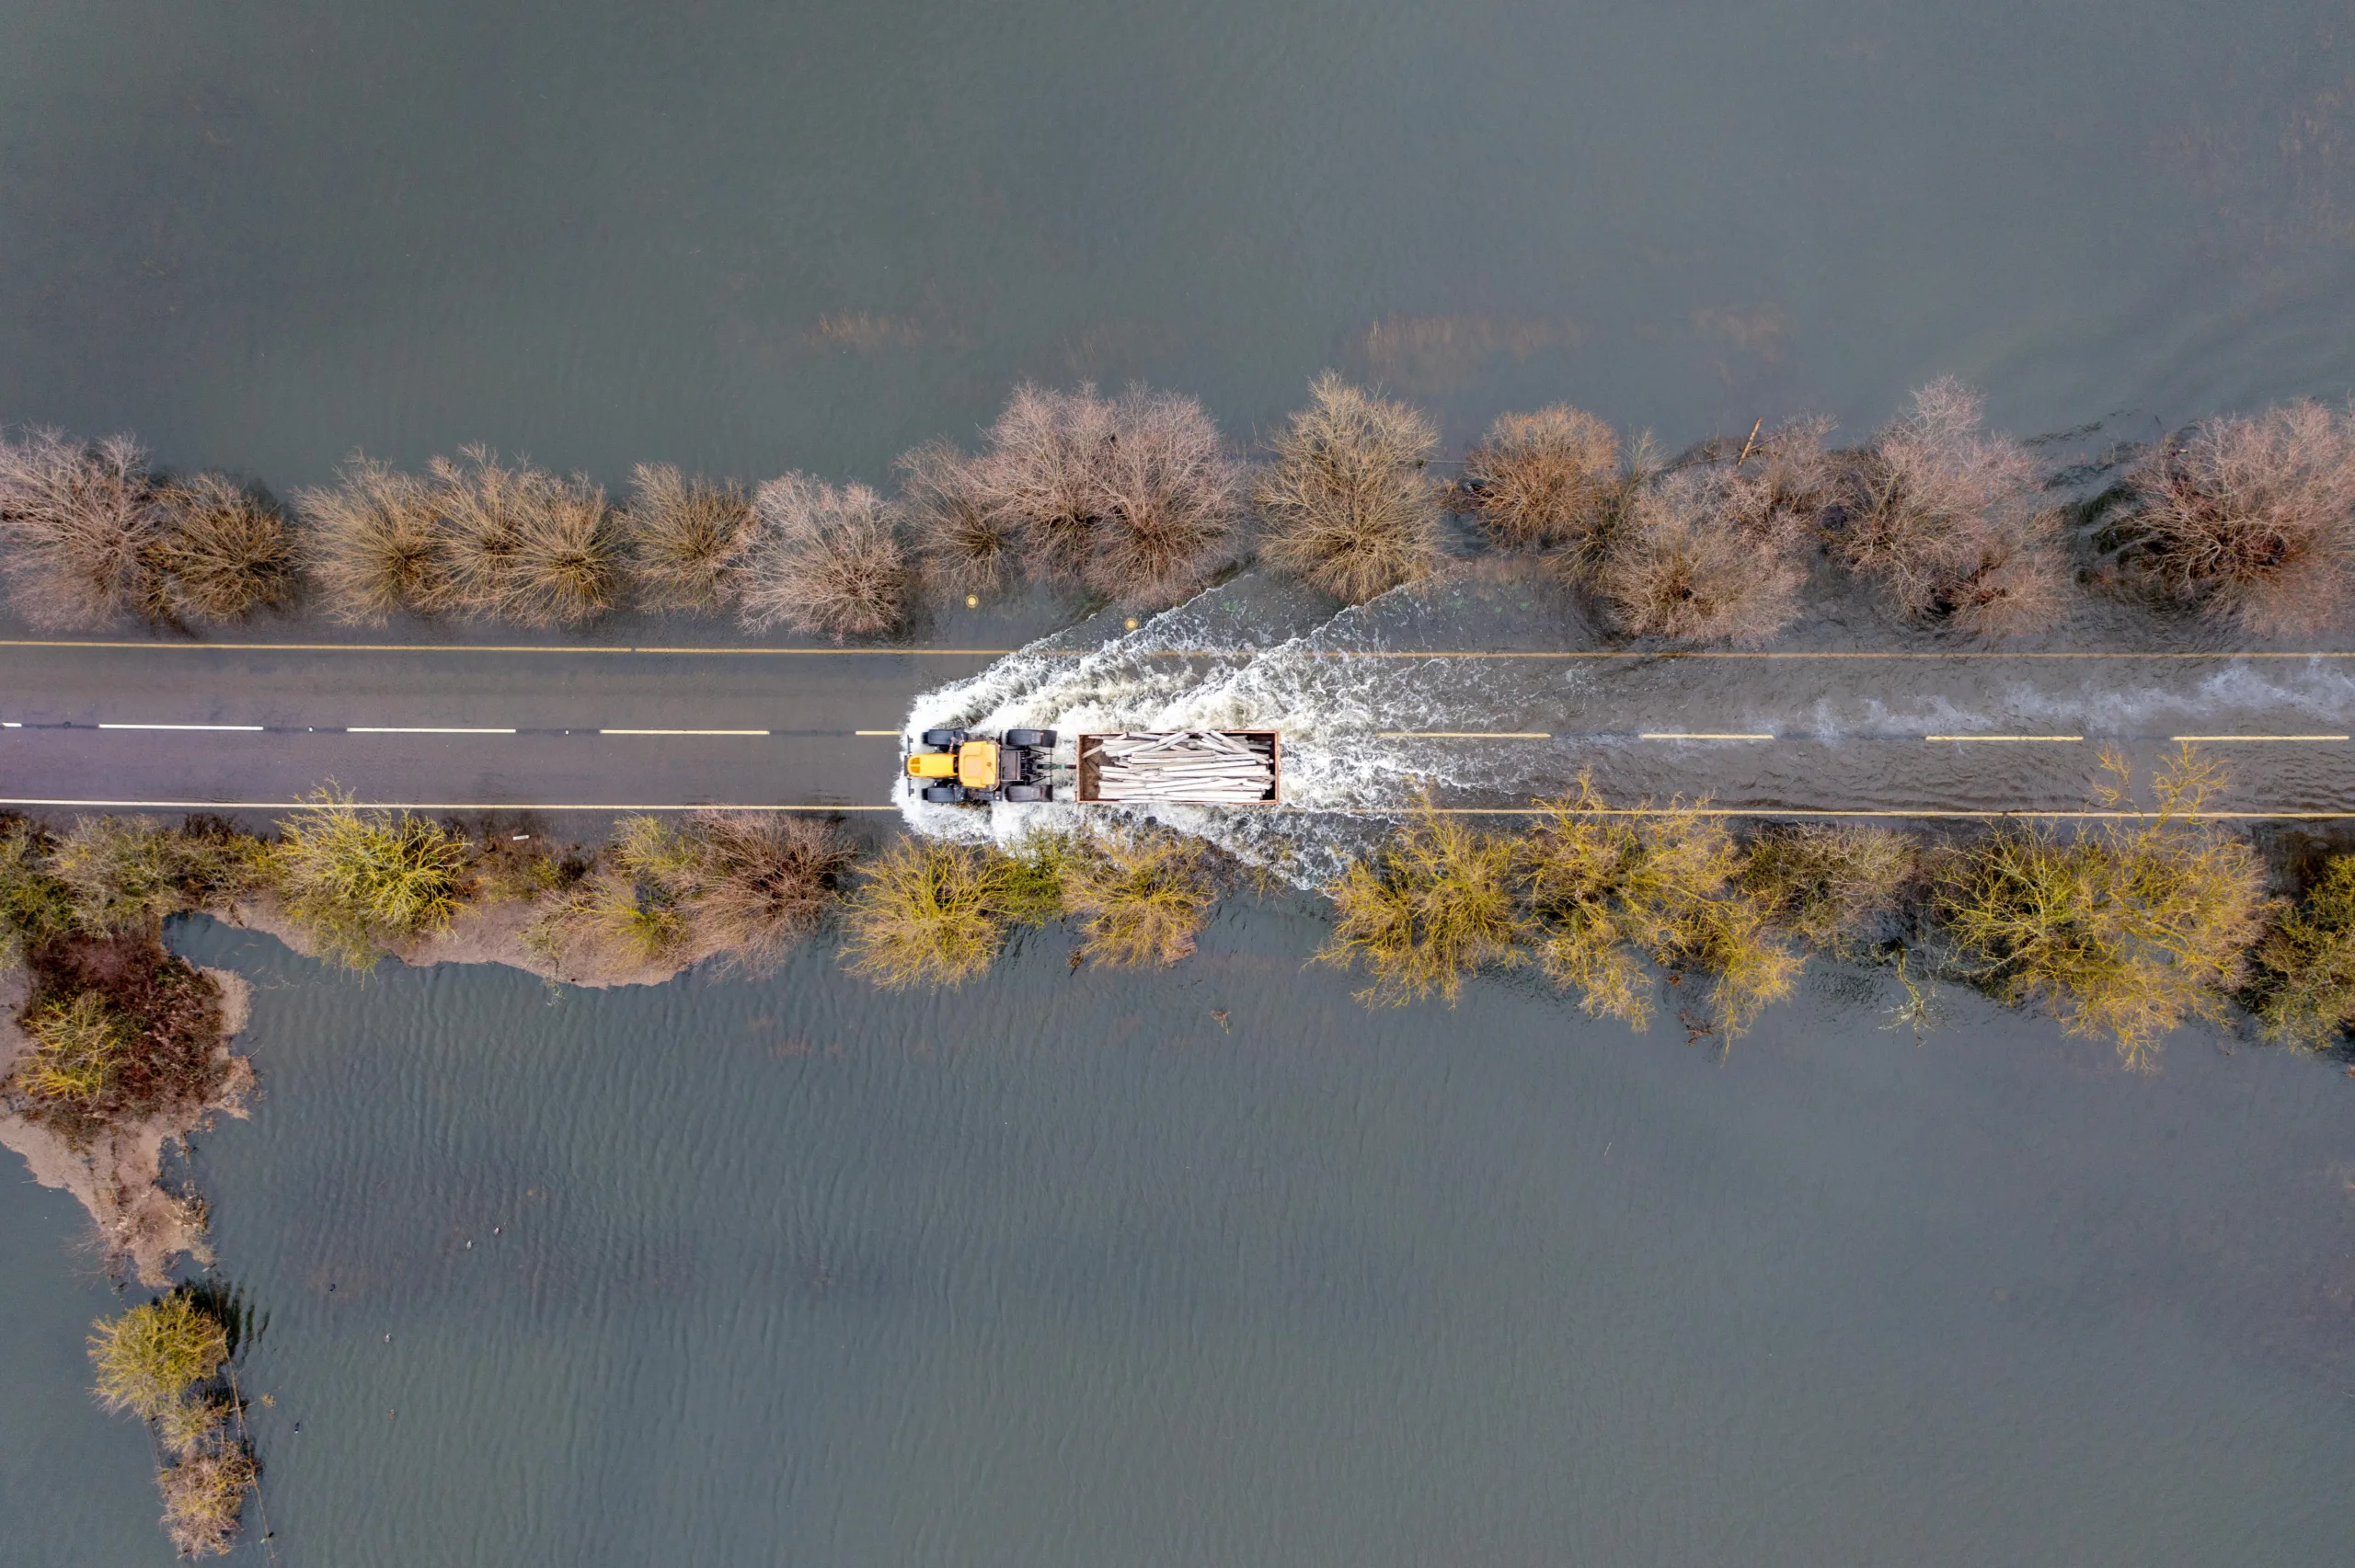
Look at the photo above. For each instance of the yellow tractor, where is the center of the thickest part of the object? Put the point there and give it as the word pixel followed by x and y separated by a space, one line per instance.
pixel 954 768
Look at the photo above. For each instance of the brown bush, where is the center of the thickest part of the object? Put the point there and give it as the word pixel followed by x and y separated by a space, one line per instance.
pixel 828 560
pixel 372 542
pixel 1828 886
pixel 959 535
pixel 1168 497
pixel 1680 567
pixel 1781 483
pixel 1136 497
pixel 222 552
pixel 1945 519
pixel 2250 521
pixel 1348 503
pixel 121 1030
pixel 1543 480
pixel 77 522
pixel 1043 472
pixel 522 544
pixel 763 881
pixel 688 540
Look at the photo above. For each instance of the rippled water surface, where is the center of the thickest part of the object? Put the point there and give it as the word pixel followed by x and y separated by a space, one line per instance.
pixel 1069 1271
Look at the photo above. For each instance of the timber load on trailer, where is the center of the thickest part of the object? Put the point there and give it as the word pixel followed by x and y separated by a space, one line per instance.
pixel 1198 767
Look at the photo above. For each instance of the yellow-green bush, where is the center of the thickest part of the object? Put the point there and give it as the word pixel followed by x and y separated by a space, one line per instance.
pixel 147 1358
pixel 356 880
pixel 929 912
pixel 1434 904
pixel 2304 991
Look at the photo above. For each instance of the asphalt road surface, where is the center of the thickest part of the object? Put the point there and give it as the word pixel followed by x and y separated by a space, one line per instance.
pixel 575 727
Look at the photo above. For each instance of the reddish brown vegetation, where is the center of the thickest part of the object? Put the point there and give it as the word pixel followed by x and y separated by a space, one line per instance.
pixel 2250 521
pixel 1543 480
pixel 1945 519
pixel 828 560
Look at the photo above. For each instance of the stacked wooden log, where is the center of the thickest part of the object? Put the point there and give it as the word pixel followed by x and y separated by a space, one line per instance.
pixel 1189 764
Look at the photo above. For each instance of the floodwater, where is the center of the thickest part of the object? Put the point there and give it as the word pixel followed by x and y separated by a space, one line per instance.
pixel 1068 1270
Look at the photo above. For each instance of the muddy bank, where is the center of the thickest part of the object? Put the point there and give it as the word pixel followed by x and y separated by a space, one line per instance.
pixel 493 933
pixel 118 1177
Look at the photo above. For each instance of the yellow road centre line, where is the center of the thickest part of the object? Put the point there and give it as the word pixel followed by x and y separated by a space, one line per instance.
pixel 893 733
pixel 417 729
pixel 2003 738
pixel 1462 735
pixel 2233 738
pixel 1697 735
pixel 679 732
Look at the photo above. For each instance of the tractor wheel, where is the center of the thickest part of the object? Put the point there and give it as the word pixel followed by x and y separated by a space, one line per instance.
pixel 1027 739
pixel 942 737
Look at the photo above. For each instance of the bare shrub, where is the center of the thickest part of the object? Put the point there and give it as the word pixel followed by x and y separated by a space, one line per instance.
pixel 764 881
pixel 965 540
pixel 2250 521
pixel 1944 518
pixel 374 545
pixel 222 552
pixel 1543 480
pixel 1828 886
pixel 828 560
pixel 688 539
pixel 1347 502
pixel 77 522
pixel 1169 496
pixel 1781 483
pixel 128 873
pixel 1043 473
pixel 1680 567
pixel 204 1500
pixel 521 544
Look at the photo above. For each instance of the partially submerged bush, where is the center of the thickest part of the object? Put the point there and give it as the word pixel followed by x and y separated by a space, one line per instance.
pixel 2250 521
pixel 1168 497
pixel 1347 502
pixel 1541 481
pixel 374 544
pixel 521 544
pixel 222 553
pixel 204 1500
pixel 121 1031
pixel 2126 932
pixel 78 523
pixel 929 912
pixel 148 1357
pixel 2304 989
pixel 764 881
pixel 1679 566
pixel 962 536
pixel 1142 895
pixel 1434 904
pixel 123 872
pixel 1828 886
pixel 356 881
pixel 689 539
pixel 1605 892
pixel 1945 519
pixel 1136 497
pixel 828 560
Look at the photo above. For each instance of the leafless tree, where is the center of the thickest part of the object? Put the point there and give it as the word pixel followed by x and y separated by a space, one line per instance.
pixel 77 522
pixel 1946 518
pixel 2250 521
pixel 223 551
pixel 1169 496
pixel 1347 502
pixel 827 560
pixel 372 545
pixel 1541 481
pixel 966 541
pixel 688 538
pixel 1685 565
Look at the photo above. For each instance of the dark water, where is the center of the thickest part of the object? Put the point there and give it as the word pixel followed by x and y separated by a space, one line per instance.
pixel 1059 1272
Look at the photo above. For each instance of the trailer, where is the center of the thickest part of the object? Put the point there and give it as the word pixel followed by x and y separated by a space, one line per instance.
pixel 1198 767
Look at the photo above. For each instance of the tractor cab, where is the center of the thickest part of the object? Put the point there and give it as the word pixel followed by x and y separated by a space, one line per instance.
pixel 958 769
